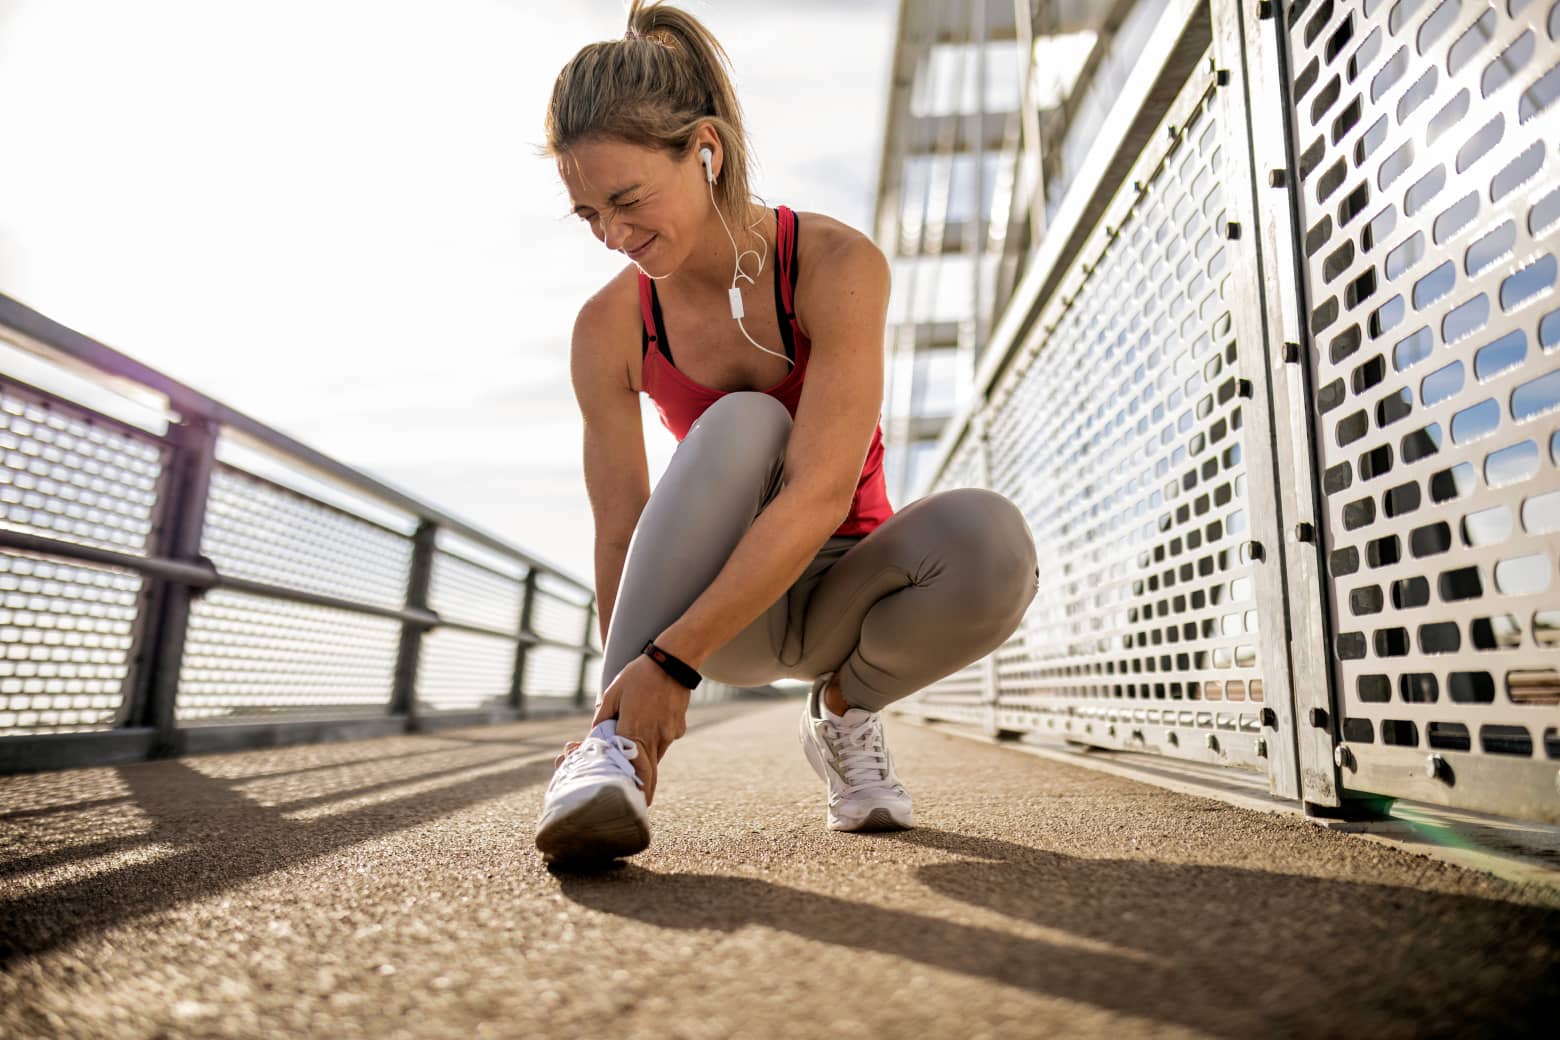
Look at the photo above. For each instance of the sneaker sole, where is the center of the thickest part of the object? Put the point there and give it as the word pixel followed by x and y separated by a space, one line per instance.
pixel 603 828
pixel 876 820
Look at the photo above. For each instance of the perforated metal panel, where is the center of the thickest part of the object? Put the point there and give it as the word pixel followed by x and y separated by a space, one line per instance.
pixel 254 656
pixel 1429 195
pixel 553 673
pixel 66 633
pixel 464 670
pixel 1119 432
pixel 461 590
pixel 560 612
pixel 69 477
pixel 67 629
pixel 265 532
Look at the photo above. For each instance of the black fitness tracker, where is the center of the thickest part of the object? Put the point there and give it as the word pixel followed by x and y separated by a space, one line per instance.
pixel 671 665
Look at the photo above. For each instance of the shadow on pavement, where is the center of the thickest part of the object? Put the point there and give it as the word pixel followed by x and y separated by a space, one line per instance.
pixel 225 836
pixel 1228 950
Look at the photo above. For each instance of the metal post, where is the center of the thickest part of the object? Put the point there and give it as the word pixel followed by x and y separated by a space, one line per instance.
pixel 403 697
pixel 183 521
pixel 1305 722
pixel 590 622
pixel 526 636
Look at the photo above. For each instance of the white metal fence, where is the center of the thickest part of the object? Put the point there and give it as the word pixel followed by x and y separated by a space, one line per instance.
pixel 1280 405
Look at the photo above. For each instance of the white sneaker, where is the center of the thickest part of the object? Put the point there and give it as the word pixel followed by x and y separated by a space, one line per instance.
pixel 850 756
pixel 594 809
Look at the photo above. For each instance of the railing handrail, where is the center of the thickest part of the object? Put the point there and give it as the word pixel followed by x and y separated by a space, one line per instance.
pixel 191 403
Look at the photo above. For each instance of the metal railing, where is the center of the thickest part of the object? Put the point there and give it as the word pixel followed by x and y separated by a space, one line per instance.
pixel 158 596
pixel 1278 395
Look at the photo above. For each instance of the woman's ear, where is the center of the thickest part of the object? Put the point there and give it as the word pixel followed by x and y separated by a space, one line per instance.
pixel 706 137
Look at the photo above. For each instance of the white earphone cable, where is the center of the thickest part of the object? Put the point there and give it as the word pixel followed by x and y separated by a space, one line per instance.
pixel 737 273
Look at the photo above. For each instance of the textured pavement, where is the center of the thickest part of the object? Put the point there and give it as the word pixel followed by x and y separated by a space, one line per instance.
pixel 389 888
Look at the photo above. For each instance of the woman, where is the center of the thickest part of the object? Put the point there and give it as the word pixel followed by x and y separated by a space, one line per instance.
pixel 769 548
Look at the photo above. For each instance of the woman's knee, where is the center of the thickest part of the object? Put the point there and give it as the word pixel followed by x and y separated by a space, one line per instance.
pixel 748 414
pixel 744 427
pixel 994 550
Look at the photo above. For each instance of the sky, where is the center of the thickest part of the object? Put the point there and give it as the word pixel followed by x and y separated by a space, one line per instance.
pixel 331 214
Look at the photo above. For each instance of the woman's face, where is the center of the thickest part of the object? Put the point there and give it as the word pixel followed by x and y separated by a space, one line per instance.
pixel 643 202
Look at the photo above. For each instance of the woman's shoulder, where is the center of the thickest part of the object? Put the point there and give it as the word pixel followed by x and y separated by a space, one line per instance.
pixel 820 236
pixel 615 303
pixel 834 247
pixel 830 253
pixel 607 327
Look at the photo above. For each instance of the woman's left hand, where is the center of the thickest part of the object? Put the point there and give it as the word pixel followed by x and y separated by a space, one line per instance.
pixel 652 711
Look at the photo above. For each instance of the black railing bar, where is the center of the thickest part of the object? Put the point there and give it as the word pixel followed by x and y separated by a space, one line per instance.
pixel 203 576
pixel 190 402
pixel 90 416
pixel 192 574
pixel 533 639
pixel 207 577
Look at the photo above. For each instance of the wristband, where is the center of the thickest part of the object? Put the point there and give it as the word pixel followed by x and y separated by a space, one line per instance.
pixel 672 666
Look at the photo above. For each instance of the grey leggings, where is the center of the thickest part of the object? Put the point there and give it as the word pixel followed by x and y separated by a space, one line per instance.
pixel 940 584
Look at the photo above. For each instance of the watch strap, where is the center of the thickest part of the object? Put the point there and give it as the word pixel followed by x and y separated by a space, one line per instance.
pixel 672 665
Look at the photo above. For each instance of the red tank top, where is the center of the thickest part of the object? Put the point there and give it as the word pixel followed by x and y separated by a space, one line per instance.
pixel 680 401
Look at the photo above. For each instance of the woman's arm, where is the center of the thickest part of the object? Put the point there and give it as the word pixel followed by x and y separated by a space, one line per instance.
pixel 844 309
pixel 617 477
pixel 610 557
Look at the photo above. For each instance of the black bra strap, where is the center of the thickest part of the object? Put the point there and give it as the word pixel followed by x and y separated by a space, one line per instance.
pixel 783 319
pixel 660 322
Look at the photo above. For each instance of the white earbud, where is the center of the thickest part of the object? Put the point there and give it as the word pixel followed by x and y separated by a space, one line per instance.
pixel 707 157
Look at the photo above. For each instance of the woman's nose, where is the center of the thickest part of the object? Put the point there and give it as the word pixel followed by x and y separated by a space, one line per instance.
pixel 613 234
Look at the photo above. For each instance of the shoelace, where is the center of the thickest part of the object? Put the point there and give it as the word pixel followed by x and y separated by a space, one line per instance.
pixel 619 752
pixel 860 754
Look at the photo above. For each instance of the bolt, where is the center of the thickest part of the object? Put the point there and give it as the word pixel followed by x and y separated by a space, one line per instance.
pixel 1261 748
pixel 1137 735
pixel 1305 532
pixel 1343 758
pixel 1257 552
pixel 1245 388
pixel 1291 353
pixel 1231 229
pixel 1264 8
pixel 1213 742
pixel 1269 718
pixel 1318 717
pixel 1111 731
pixel 1277 178
pixel 1435 767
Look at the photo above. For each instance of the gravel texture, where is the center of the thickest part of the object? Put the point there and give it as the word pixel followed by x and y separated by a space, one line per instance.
pixel 389 888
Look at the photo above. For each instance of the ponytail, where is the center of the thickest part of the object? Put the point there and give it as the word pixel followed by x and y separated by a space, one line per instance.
pixel 655 87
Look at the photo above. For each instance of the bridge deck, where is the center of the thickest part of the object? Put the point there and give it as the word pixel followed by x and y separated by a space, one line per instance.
pixel 389 888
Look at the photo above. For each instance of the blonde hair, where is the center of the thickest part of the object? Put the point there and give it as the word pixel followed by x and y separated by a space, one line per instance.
pixel 655 87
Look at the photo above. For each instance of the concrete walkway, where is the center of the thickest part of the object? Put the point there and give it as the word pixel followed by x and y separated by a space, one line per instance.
pixel 389 888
